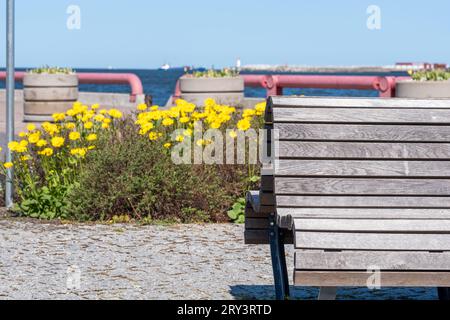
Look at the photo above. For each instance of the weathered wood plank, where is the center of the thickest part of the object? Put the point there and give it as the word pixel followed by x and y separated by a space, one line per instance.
pixel 372 241
pixel 361 115
pixel 362 279
pixel 353 168
pixel 362 202
pixel 348 132
pixel 286 216
pixel 364 260
pixel 292 101
pixel 373 225
pixel 362 150
pixel 332 213
pixel 360 186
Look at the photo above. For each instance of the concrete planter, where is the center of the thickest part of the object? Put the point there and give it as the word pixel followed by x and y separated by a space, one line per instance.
pixel 229 91
pixel 423 89
pixel 46 94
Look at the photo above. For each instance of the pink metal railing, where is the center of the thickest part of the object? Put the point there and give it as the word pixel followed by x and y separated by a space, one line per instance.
pixel 101 78
pixel 274 84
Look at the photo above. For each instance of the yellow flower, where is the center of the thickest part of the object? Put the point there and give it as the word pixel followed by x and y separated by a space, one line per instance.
pixel 95 106
pixel 88 125
pixel 115 113
pixel 260 108
pixel 91 147
pixel 184 119
pixel 70 125
pixel 41 143
pixel 74 136
pixel 153 136
pixel 233 134
pixel 23 134
pixel 142 107
pixel 48 152
pixel 179 138
pixel 244 125
pixel 146 128
pixel 31 127
pixel 81 152
pixel 8 165
pixel 26 158
pixel 57 142
pixel 188 132
pixel 50 128
pixel 154 108
pixel 167 122
pixel 215 125
pixel 248 113
pixel 167 145
pixel 99 118
pixel 59 117
pixel 34 137
pixel 105 125
pixel 107 120
pixel 19 147
pixel 13 145
pixel 103 112
pixel 91 137
pixel 210 103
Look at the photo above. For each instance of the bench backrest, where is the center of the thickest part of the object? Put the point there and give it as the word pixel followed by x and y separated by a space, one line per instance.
pixel 358 153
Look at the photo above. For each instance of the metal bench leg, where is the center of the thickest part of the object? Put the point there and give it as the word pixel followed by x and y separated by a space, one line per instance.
pixel 327 293
pixel 444 294
pixel 278 261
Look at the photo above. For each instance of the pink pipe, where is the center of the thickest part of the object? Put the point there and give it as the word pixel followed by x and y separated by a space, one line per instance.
pixel 275 83
pixel 114 78
pixel 101 78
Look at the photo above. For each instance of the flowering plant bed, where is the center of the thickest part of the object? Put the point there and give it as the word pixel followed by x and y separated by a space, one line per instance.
pixel 97 164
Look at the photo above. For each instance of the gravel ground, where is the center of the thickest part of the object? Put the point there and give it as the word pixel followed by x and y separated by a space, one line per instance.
pixel 53 261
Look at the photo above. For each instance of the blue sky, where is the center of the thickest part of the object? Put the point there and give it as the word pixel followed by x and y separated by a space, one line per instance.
pixel 148 33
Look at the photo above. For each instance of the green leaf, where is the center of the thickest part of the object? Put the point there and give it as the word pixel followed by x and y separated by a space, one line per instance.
pixel 233 214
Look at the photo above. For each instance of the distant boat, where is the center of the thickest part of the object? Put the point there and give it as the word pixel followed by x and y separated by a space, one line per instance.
pixel 165 67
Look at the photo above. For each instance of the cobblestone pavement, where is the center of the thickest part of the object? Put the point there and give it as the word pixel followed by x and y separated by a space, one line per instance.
pixel 52 261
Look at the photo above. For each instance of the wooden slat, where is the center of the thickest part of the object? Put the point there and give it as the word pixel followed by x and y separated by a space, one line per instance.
pixel 361 168
pixel 361 115
pixel 324 213
pixel 293 101
pixel 373 225
pixel 362 202
pixel 362 150
pixel 372 241
pixel 359 186
pixel 348 132
pixel 364 260
pixel 286 216
pixel 360 279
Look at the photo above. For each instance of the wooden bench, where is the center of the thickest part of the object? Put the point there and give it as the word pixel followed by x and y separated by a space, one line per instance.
pixel 357 186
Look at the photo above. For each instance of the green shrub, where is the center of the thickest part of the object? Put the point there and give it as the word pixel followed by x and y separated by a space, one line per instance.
pixel 129 175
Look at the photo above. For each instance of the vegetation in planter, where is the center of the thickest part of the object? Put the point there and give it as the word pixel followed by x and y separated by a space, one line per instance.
pixel 213 73
pixel 95 164
pixel 433 75
pixel 51 70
